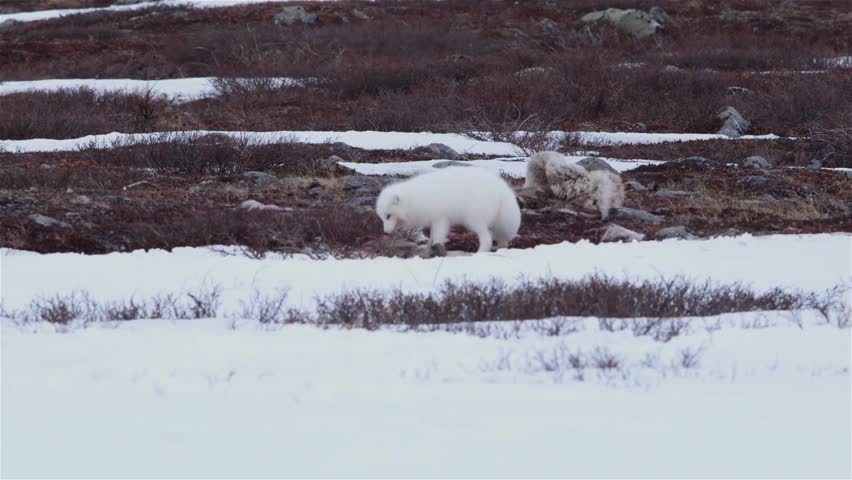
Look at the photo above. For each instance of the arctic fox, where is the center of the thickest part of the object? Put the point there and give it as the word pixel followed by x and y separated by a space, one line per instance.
pixel 552 174
pixel 472 197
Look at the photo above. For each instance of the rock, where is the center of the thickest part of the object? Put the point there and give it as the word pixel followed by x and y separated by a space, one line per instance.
pixel 699 162
pixel 259 178
pixel 81 200
pixel 531 72
pixel 678 231
pixel 633 185
pixel 672 193
pixel 331 165
pixel 766 198
pixel 635 22
pixel 46 221
pixel 450 163
pixel 755 181
pixel 625 213
pixel 659 15
pixel 671 68
pixel 363 202
pixel 756 162
pixel 550 26
pixel 731 232
pixel 814 165
pixel 214 139
pixel 738 90
pixel 7 24
pixel 591 164
pixel 734 124
pixel 360 15
pixel 255 205
pixel 439 151
pixel 615 233
pixel 363 184
pixel 291 15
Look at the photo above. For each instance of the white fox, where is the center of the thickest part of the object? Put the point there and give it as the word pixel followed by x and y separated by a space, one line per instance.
pixel 472 197
pixel 552 174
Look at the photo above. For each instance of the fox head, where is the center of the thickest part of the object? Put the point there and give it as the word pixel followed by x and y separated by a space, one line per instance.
pixel 390 208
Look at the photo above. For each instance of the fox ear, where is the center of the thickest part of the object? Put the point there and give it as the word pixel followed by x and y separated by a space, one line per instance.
pixel 395 200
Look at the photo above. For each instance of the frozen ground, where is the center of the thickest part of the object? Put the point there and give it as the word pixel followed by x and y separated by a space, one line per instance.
pixel 372 140
pixel 156 399
pixel 818 262
pixel 178 89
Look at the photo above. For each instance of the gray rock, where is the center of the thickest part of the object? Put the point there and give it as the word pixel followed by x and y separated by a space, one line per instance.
pixel 363 202
pixel 591 164
pixel 755 181
pixel 671 68
pixel 635 186
pixel 625 213
pixel 550 26
pixel 7 24
pixel 616 233
pixel 766 198
pixel 439 151
pixel 756 162
pixel 678 231
pixel 738 90
pixel 700 162
pixel 360 15
pixel 450 163
pixel 734 124
pixel 291 15
pixel 659 15
pixel 81 200
pixel 531 72
pixel 814 164
pixel 635 22
pixel 259 178
pixel 331 165
pixel 672 193
pixel 46 221
pixel 362 184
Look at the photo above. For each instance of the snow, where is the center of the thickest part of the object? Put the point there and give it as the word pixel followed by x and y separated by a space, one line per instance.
pixel 820 262
pixel 48 14
pixel 372 140
pixel 197 399
pixel 179 89
pixel 514 167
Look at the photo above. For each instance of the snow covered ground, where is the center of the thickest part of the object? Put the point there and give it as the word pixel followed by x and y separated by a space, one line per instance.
pixel 371 140
pixel 154 399
pixel 820 262
pixel 515 167
pixel 48 14
pixel 177 89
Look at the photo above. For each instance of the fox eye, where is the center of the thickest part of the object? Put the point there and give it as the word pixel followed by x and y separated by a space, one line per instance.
pixel 387 217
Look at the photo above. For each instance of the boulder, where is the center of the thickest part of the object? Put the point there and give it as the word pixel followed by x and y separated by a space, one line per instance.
pixel 678 231
pixel 7 24
pixel 360 15
pixel 363 184
pixel 362 202
pixel 450 163
pixel 439 151
pixel 699 162
pixel 259 178
pixel 756 162
pixel 635 22
pixel 625 213
pixel 659 15
pixel 663 193
pixel 292 15
pixel 734 125
pixel 617 233
pixel 592 163
pixel 46 221
pixel 755 181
